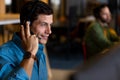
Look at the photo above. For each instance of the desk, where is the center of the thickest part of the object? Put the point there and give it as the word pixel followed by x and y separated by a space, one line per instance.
pixel 107 67
pixel 60 74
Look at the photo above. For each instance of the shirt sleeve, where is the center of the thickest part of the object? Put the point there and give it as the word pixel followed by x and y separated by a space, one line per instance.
pixel 10 72
pixel 113 35
pixel 99 37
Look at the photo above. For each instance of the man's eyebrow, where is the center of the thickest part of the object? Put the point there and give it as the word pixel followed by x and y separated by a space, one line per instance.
pixel 42 22
pixel 45 23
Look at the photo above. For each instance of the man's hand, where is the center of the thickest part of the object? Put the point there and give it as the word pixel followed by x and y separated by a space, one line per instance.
pixel 29 42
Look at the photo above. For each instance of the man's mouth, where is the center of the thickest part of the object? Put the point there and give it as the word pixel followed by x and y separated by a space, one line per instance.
pixel 39 38
pixel 42 37
pixel 45 37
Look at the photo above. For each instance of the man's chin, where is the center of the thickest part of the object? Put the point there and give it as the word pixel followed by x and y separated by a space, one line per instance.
pixel 42 42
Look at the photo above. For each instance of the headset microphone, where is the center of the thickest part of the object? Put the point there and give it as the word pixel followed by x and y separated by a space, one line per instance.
pixel 38 37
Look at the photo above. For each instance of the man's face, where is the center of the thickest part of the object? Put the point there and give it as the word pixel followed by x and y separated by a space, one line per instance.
pixel 105 15
pixel 42 27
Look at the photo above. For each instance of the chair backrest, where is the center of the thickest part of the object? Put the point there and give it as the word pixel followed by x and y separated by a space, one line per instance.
pixel 84 50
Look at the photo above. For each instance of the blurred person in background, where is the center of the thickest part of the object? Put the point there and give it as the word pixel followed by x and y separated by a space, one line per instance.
pixel 100 35
pixel 23 58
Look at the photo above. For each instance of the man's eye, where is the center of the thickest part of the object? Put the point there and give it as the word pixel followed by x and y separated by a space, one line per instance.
pixel 43 24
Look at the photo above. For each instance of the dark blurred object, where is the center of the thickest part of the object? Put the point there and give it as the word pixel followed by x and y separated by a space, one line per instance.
pixel 90 6
pixel 81 27
pixel 79 32
pixel 114 6
pixel 73 18
pixel 17 4
pixel 104 66
pixel 118 24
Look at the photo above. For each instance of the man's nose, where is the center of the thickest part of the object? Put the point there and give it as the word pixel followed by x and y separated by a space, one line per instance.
pixel 49 30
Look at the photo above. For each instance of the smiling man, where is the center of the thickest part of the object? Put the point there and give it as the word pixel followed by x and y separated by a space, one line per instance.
pixel 22 58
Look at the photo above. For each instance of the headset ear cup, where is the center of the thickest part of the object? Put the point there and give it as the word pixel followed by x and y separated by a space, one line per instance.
pixel 28 17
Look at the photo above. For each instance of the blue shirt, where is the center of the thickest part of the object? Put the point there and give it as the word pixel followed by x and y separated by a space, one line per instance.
pixel 11 55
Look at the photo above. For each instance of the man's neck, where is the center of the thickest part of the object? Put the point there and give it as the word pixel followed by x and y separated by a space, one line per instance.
pixel 102 24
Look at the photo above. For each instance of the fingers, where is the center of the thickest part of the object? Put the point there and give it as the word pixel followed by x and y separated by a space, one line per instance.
pixel 27 30
pixel 22 33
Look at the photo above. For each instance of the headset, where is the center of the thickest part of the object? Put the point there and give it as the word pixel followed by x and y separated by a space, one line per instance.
pixel 34 6
pixel 30 14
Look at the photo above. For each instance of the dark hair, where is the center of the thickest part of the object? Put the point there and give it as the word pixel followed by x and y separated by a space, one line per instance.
pixel 31 10
pixel 97 10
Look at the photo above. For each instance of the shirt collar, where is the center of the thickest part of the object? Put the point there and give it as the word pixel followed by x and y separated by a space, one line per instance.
pixel 41 47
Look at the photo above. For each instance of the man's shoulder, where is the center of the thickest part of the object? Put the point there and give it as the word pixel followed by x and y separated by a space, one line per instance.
pixel 94 25
pixel 7 46
pixel 10 50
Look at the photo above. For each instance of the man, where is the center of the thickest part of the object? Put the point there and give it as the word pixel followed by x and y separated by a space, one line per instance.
pixel 22 58
pixel 99 35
